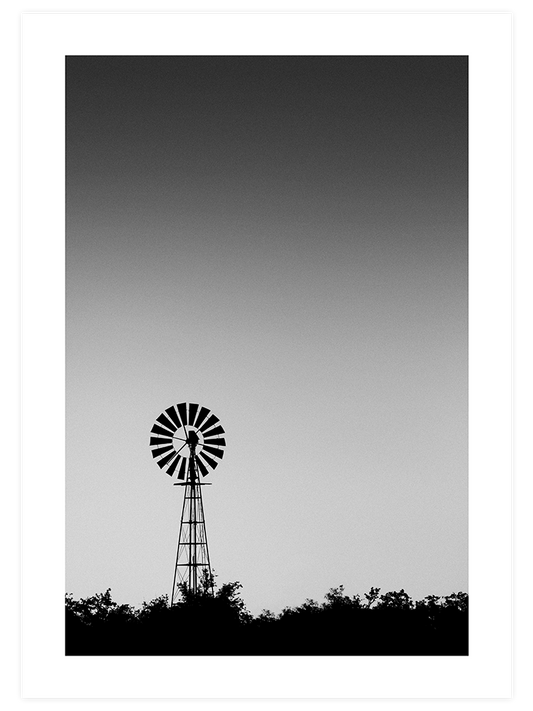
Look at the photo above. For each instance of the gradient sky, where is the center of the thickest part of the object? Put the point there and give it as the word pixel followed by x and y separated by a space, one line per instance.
pixel 282 240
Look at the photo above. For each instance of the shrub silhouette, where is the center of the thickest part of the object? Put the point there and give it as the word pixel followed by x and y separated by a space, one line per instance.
pixel 216 622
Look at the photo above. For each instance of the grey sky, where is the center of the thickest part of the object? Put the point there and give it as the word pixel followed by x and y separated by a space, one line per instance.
pixel 282 240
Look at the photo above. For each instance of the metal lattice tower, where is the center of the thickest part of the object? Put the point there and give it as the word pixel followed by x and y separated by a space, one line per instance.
pixel 192 556
pixel 189 438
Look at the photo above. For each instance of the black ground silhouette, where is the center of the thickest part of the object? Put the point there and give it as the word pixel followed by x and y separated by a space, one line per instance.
pixel 219 624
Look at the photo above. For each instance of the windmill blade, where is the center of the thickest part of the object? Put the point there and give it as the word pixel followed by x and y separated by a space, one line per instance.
pixel 212 463
pixel 212 420
pixel 201 466
pixel 161 450
pixel 182 409
pixel 163 419
pixel 159 440
pixel 204 412
pixel 221 442
pixel 157 429
pixel 171 412
pixel 183 468
pixel 193 409
pixel 165 460
pixel 173 465
pixel 215 452
pixel 214 431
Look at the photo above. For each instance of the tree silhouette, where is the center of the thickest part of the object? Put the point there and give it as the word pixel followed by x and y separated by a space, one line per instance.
pixel 215 621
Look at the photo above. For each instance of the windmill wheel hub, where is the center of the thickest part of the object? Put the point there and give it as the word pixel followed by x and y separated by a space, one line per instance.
pixel 192 439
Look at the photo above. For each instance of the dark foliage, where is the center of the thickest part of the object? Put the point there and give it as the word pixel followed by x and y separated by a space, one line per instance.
pixel 216 622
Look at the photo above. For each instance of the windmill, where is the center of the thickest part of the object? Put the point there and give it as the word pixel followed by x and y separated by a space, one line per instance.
pixel 186 440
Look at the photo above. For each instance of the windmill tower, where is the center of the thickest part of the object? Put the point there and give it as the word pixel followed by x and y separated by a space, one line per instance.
pixel 186 440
